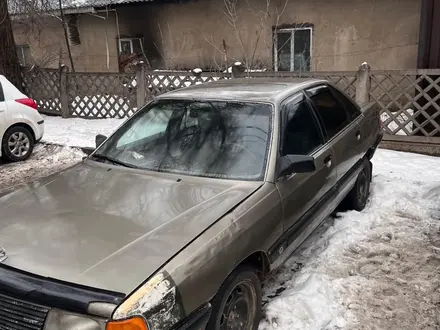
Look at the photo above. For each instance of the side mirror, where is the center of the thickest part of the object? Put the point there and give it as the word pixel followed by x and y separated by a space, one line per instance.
pixel 290 164
pixel 99 139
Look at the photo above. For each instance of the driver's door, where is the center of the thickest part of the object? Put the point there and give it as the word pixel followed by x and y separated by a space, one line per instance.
pixel 302 135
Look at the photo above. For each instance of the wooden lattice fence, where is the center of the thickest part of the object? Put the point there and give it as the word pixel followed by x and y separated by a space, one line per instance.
pixel 43 85
pixel 409 101
pixel 101 95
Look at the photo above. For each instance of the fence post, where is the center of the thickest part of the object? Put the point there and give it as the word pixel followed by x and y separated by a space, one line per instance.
pixel 237 70
pixel 141 89
pixel 363 84
pixel 64 99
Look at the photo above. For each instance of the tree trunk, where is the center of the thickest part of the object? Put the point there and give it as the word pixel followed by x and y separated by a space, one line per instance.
pixel 9 64
pixel 66 37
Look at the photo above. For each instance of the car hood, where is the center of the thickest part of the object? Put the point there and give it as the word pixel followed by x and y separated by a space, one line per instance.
pixel 107 227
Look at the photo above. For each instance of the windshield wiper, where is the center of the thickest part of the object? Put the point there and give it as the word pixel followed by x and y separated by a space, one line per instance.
pixel 113 161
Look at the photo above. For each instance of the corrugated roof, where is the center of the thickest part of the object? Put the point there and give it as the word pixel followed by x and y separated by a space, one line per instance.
pixel 70 6
pixel 97 3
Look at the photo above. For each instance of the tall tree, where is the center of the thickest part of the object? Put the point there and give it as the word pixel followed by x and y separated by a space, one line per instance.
pixel 9 64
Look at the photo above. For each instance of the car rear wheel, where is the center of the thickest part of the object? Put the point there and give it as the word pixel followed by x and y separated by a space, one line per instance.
pixel 237 305
pixel 357 198
pixel 18 144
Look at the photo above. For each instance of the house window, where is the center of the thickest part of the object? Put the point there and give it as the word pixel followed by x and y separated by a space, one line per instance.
pixel 24 55
pixel 125 46
pixel 129 46
pixel 293 49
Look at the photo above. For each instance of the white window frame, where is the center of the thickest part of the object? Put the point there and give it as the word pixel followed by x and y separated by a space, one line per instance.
pixel 130 40
pixel 292 45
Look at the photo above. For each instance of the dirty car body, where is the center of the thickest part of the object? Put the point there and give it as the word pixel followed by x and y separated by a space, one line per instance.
pixel 147 229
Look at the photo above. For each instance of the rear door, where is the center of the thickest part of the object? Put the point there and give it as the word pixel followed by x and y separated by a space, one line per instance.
pixel 356 115
pixel 301 135
pixel 341 131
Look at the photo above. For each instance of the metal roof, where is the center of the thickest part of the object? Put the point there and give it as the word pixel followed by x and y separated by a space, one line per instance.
pixel 69 6
pixel 97 3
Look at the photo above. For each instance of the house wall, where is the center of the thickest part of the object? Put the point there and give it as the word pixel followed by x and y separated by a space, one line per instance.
pixel 190 34
pixel 346 32
pixel 48 46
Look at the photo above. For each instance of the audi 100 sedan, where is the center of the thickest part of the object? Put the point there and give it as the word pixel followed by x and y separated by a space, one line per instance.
pixel 176 219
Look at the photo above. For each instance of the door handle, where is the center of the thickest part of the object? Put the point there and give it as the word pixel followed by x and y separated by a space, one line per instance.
pixel 358 135
pixel 328 161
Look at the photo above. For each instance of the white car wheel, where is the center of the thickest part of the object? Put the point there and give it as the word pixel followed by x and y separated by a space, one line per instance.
pixel 18 144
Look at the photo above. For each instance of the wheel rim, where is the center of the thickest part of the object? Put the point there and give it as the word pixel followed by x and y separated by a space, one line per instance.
pixel 19 144
pixel 239 310
pixel 362 187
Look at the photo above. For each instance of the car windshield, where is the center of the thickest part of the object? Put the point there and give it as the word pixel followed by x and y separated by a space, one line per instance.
pixel 215 139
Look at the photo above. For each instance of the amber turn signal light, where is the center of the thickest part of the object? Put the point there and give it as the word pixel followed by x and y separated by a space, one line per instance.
pixel 134 323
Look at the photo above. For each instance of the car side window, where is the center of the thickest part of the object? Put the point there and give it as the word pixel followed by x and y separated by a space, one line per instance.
pixel 350 106
pixel 301 134
pixel 331 113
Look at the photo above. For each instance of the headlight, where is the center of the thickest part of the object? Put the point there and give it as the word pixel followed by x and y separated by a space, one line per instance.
pixel 154 305
pixel 59 319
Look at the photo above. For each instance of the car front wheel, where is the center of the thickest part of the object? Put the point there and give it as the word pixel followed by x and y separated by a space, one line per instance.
pixel 18 144
pixel 237 305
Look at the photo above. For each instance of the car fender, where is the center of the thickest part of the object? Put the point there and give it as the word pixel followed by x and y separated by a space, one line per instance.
pixel 19 118
pixel 193 277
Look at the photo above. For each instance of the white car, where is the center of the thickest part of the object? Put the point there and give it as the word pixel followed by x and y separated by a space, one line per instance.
pixel 21 125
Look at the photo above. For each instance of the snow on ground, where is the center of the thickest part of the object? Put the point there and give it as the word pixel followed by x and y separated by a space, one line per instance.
pixel 376 269
pixel 45 160
pixel 77 132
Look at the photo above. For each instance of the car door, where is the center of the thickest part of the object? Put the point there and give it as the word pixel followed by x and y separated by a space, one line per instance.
pixel 355 115
pixel 2 112
pixel 302 135
pixel 341 132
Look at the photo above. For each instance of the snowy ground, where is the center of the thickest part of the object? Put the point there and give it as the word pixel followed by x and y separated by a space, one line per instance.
pixel 77 132
pixel 45 160
pixel 376 269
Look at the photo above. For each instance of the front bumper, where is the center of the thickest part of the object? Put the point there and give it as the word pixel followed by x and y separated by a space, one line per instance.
pixel 60 305
pixel 197 320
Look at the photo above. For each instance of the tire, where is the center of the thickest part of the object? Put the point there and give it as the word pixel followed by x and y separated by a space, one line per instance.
pixel 238 301
pixel 18 144
pixel 357 198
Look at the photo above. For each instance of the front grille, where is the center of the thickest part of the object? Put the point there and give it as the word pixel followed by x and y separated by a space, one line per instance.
pixel 19 315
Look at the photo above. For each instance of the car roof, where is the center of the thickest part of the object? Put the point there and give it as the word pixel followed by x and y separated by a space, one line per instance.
pixel 269 90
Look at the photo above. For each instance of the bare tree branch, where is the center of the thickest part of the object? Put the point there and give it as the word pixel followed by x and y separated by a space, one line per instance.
pixel 169 58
